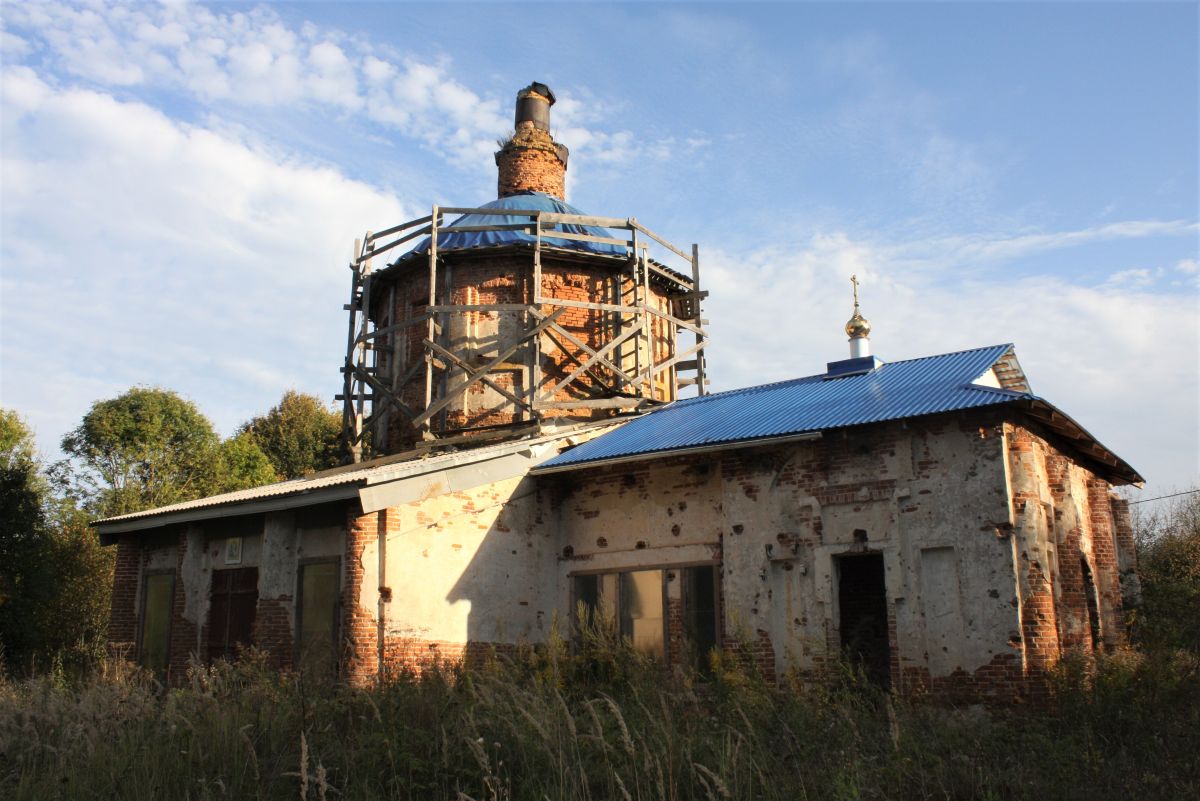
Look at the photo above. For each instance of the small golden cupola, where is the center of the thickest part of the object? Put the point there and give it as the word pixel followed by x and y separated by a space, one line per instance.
pixel 858 328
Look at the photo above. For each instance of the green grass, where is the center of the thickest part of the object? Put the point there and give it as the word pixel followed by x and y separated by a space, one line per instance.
pixel 604 725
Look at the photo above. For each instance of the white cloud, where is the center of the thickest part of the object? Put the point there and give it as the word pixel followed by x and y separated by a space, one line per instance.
pixel 253 58
pixel 981 248
pixel 137 250
pixel 1133 278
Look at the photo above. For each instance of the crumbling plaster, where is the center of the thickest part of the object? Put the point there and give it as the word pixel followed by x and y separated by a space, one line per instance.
pixel 812 502
pixel 466 566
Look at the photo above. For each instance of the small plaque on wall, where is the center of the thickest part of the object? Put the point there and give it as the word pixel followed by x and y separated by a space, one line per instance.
pixel 233 551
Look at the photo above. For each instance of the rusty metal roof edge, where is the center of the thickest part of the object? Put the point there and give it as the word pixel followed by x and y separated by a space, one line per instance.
pixel 322 488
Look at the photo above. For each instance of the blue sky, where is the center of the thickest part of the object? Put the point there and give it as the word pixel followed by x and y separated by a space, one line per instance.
pixel 180 185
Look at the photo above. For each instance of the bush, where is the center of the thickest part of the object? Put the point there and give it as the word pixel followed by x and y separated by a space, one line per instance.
pixel 1167 613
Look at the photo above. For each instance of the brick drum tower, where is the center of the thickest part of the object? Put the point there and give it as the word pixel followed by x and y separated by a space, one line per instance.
pixel 521 315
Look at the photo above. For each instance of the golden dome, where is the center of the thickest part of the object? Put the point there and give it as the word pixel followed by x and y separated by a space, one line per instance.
pixel 858 327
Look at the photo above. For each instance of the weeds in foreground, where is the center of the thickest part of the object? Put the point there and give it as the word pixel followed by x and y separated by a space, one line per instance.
pixel 550 725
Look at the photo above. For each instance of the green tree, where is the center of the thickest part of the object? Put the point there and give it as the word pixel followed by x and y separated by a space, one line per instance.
pixel 56 579
pixel 1167 614
pixel 146 448
pixel 299 435
pixel 22 536
pixel 244 465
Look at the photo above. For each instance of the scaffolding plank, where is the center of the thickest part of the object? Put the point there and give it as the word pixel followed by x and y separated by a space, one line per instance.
pixel 451 392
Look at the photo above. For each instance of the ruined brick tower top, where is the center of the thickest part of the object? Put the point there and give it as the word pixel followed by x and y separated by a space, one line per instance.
pixel 531 161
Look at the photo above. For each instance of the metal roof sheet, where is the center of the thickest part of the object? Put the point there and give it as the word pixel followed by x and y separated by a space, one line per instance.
pixel 317 486
pixel 528 201
pixel 893 391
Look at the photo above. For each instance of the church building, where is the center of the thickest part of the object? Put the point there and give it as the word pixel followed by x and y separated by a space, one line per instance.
pixel 530 437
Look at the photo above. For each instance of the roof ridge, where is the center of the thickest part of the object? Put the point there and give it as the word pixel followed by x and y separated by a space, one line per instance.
pixel 755 387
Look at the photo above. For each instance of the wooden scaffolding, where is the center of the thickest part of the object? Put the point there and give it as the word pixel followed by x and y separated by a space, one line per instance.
pixel 378 383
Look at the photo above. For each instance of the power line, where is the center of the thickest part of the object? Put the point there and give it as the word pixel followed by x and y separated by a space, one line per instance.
pixel 1162 497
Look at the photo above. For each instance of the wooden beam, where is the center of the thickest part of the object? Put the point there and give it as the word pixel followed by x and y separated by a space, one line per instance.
pixel 595 355
pixel 389 329
pixel 586 349
pixel 673 319
pixel 605 240
pixel 395 229
pixel 686 257
pixel 595 403
pixel 470 370
pixel 535 354
pixel 582 304
pixel 453 391
pixel 552 218
pixel 479 307
pixel 471 229
pixel 381 389
pixel 400 241
pixel 489 212
pixel 658 368
pixel 433 246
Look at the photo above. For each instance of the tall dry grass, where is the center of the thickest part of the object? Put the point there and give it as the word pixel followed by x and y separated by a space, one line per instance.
pixel 598 724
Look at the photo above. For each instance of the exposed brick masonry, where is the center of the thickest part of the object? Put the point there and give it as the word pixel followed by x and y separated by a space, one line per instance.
pixel 470 279
pixel 359 627
pixel 122 625
pixel 531 161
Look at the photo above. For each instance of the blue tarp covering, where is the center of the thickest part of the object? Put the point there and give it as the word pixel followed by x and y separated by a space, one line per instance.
pixel 893 391
pixel 531 201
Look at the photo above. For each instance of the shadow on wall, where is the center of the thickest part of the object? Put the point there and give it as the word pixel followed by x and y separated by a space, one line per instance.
pixel 508 580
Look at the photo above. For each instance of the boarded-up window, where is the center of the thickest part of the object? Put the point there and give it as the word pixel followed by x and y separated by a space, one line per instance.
pixel 233 604
pixel 633 602
pixel 158 596
pixel 641 611
pixel 941 605
pixel 316 641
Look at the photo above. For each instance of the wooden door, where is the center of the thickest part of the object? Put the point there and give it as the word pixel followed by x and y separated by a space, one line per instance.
pixel 233 604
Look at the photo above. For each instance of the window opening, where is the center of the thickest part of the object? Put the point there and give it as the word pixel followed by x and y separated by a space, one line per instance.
pixel 233 604
pixel 634 604
pixel 1093 604
pixel 317 618
pixel 158 600
pixel 700 613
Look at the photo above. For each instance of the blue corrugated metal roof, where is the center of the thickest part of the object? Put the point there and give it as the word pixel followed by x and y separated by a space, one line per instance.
pixel 893 391
pixel 528 201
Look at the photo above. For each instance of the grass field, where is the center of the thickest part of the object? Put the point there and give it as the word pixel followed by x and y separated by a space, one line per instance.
pixel 554 726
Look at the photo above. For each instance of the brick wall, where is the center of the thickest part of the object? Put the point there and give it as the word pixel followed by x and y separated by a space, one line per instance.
pixel 122 625
pixel 359 627
pixel 273 630
pixel 477 336
pixel 407 654
pixel 1066 519
pixel 531 161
